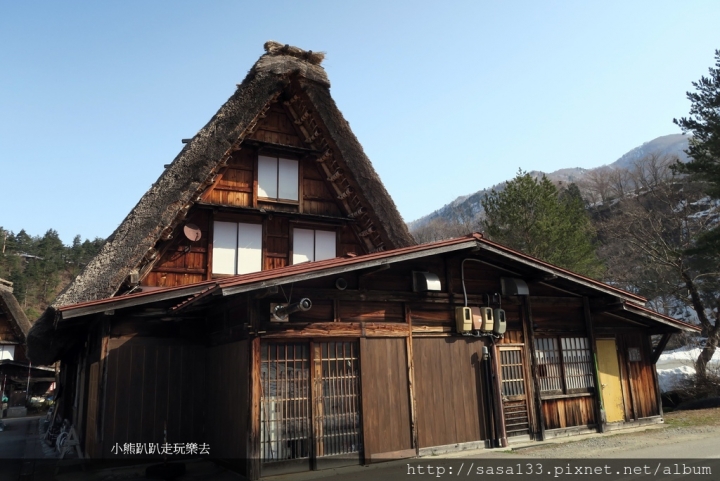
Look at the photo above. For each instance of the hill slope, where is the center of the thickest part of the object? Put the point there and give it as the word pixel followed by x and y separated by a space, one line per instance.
pixel 467 208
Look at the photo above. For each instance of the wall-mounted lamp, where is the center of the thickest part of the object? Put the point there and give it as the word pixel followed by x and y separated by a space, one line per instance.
pixel 281 312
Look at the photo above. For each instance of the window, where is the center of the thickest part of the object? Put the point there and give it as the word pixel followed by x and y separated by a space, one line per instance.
pixel 7 352
pixel 237 248
pixel 565 365
pixel 277 178
pixel 313 245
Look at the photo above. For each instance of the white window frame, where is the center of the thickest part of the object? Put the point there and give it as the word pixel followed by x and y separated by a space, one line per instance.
pixel 278 178
pixel 316 240
pixel 241 255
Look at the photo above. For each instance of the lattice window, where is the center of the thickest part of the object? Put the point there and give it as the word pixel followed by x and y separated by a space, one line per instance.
pixel 578 364
pixel 513 379
pixel 565 365
pixel 285 412
pixel 549 365
pixel 289 405
pixel 340 416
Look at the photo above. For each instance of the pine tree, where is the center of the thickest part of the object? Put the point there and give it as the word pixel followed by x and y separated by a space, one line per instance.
pixel 535 217
pixel 704 145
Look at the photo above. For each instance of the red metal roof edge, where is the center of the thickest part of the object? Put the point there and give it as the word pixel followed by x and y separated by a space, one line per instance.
pixel 565 271
pixel 307 267
pixel 136 295
pixel 347 261
pixel 644 309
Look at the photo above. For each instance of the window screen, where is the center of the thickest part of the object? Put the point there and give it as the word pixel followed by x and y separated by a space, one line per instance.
pixel 237 248
pixel 224 248
pixel 267 177
pixel 303 245
pixel 313 245
pixel 278 178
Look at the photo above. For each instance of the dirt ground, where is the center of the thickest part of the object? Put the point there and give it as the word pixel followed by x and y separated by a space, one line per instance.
pixel 684 434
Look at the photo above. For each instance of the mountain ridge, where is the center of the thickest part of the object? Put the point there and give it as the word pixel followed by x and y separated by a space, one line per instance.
pixel 467 207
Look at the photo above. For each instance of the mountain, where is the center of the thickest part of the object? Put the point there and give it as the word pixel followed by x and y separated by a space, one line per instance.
pixel 466 209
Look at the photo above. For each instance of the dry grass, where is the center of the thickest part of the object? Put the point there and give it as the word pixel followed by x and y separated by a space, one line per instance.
pixel 699 417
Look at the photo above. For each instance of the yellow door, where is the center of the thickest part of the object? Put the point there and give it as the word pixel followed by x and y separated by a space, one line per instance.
pixel 610 380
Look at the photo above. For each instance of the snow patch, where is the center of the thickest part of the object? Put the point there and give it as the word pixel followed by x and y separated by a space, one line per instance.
pixel 677 365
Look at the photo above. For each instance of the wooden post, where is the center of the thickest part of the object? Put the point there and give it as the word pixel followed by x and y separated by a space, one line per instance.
pixel 533 360
pixel 317 402
pixel 655 355
pixel 253 442
pixel 600 418
pixel 411 380
pixel 497 394
pixel 658 350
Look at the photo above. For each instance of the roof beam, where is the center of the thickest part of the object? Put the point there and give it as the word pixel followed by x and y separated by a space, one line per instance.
pixel 660 347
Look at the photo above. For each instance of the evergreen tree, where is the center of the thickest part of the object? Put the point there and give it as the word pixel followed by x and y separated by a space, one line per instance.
pixel 704 145
pixel 535 217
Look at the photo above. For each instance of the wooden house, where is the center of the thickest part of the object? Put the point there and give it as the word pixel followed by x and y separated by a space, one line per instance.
pixel 265 299
pixel 16 373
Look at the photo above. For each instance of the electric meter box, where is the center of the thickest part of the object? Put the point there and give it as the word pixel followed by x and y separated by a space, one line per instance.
pixel 477 320
pixel 487 319
pixel 500 321
pixel 463 319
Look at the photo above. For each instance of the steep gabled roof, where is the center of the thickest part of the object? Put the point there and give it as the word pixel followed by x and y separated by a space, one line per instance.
pixel 181 185
pixel 11 310
pixel 165 204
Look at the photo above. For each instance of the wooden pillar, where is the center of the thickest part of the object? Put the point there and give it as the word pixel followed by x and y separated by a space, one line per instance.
pixel 253 440
pixel 600 419
pixel 533 360
pixel 497 395
pixel 660 347
pixel 533 421
pixel 316 410
pixel 411 381
pixel 654 357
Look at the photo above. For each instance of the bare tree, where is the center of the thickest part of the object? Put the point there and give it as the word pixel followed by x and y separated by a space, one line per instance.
pixel 597 185
pixel 647 239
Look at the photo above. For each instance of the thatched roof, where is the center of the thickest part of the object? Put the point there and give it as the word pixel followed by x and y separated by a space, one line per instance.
pixel 179 186
pixel 10 308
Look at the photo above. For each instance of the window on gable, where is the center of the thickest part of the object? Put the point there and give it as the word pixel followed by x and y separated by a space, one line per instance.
pixel 565 365
pixel 278 178
pixel 237 248
pixel 311 245
pixel 7 352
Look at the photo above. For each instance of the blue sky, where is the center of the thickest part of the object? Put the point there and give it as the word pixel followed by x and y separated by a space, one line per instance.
pixel 446 97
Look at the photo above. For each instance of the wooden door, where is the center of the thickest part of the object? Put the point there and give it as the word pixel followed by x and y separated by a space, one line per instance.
pixel 514 392
pixel 310 406
pixel 337 404
pixel 610 385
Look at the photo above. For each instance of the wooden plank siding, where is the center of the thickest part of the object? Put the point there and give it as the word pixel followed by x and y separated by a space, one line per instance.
pixel 151 382
pixel 277 128
pixel 385 400
pixel 639 379
pixel 568 412
pixel 183 262
pixel 228 378
pixel 451 398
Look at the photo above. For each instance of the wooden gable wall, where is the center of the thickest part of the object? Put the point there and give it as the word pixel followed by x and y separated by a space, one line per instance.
pixel 233 197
